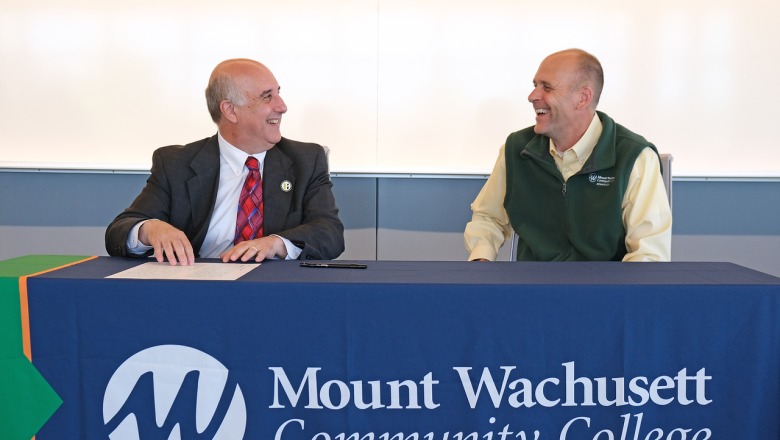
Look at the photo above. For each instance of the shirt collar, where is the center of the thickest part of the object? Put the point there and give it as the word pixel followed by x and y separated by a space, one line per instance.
pixel 584 147
pixel 234 157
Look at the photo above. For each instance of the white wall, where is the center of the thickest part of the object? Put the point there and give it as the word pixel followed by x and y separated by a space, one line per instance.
pixel 389 85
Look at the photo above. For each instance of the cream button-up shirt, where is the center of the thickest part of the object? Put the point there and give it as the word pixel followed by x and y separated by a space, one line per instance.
pixel 646 213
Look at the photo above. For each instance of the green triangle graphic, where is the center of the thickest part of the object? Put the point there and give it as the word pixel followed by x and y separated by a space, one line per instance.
pixel 26 399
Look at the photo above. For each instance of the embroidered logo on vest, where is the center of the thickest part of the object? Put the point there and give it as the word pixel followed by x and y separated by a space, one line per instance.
pixel 601 180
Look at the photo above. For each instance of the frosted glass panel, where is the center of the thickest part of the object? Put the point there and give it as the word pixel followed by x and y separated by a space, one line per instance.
pixel 429 86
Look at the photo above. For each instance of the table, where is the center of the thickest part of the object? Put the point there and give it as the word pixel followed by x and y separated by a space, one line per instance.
pixel 412 350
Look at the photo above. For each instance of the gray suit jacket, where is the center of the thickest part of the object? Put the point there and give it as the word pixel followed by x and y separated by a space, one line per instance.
pixel 182 190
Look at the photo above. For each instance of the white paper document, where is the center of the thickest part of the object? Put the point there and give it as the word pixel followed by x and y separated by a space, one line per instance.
pixel 198 271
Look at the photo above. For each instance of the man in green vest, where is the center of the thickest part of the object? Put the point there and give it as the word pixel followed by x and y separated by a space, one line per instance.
pixel 576 186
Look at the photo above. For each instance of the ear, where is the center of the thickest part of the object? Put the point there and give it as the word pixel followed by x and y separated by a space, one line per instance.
pixel 228 111
pixel 585 98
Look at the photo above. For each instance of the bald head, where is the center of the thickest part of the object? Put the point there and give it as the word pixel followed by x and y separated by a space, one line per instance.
pixel 586 69
pixel 228 82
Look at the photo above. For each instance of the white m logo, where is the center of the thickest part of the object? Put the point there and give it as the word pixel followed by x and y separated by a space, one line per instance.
pixel 169 364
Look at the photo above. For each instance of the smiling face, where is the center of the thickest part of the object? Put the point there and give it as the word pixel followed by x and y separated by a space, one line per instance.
pixel 251 120
pixel 561 100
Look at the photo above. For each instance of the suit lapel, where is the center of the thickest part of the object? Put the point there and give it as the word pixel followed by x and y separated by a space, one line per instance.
pixel 202 188
pixel 277 170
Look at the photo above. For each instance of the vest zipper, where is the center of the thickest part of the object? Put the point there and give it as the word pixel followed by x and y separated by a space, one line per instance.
pixel 563 190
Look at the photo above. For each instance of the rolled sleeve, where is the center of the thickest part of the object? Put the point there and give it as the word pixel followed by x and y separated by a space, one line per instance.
pixel 489 227
pixel 646 213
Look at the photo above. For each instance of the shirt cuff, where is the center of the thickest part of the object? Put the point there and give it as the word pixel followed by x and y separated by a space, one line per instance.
pixel 483 251
pixel 134 245
pixel 293 251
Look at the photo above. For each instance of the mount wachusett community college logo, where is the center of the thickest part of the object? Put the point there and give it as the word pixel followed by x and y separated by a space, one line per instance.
pixel 169 365
pixel 600 180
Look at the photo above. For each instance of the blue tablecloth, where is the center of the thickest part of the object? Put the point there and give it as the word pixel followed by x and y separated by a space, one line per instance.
pixel 412 350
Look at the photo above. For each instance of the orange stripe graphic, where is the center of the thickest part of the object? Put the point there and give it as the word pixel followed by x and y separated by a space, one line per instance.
pixel 24 307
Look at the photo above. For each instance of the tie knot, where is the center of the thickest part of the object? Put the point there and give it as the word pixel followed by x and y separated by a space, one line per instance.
pixel 252 163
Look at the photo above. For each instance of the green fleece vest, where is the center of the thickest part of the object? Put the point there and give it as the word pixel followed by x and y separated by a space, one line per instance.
pixel 581 219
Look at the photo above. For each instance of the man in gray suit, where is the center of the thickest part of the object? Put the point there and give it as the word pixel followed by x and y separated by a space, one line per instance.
pixel 189 205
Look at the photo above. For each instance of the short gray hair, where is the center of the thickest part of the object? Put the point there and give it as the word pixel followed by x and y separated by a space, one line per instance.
pixel 589 70
pixel 222 87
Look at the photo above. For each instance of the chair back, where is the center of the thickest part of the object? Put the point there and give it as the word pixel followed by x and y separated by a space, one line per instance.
pixel 666 173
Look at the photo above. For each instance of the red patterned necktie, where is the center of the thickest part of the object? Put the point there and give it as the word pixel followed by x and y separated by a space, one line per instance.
pixel 249 221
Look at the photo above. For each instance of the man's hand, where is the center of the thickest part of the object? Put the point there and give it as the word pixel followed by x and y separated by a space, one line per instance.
pixel 258 250
pixel 167 241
